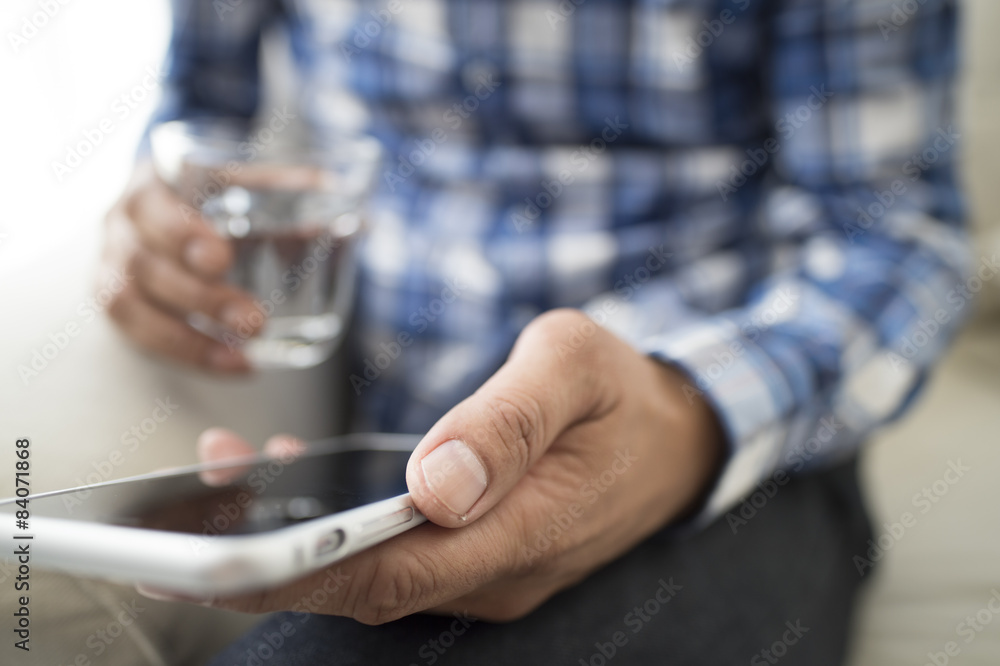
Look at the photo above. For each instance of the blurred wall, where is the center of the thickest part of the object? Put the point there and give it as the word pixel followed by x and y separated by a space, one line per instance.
pixel 980 118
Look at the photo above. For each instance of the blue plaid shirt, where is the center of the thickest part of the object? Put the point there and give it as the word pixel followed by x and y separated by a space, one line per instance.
pixel 761 192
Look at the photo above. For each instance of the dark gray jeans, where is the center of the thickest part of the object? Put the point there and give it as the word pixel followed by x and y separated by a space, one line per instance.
pixel 777 591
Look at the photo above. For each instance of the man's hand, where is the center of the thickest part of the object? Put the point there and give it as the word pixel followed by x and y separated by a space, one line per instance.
pixel 174 264
pixel 577 449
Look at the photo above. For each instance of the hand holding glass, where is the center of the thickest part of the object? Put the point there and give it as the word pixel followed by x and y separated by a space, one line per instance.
pixel 293 212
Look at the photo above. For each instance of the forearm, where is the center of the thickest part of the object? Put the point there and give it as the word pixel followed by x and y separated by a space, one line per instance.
pixel 866 252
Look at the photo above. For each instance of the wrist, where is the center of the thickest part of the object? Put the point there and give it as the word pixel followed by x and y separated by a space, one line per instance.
pixel 698 433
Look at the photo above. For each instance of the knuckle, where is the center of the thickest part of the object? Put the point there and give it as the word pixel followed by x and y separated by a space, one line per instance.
pixel 134 265
pixel 187 346
pixel 583 353
pixel 119 305
pixel 131 205
pixel 208 299
pixel 566 333
pixel 553 326
pixel 394 589
pixel 516 419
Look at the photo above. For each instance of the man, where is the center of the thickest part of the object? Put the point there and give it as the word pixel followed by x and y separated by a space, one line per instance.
pixel 754 200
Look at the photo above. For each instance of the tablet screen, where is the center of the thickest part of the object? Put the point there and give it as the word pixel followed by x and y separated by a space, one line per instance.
pixel 264 494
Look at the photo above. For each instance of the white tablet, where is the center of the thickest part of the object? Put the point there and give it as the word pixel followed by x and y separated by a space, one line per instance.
pixel 276 520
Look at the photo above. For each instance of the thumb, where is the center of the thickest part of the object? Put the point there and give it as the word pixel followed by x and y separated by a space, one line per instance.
pixel 480 449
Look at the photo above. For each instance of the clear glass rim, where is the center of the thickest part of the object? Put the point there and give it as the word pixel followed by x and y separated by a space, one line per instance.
pixel 223 138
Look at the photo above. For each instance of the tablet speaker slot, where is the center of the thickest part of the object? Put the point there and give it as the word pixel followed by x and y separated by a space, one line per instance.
pixel 329 543
pixel 379 525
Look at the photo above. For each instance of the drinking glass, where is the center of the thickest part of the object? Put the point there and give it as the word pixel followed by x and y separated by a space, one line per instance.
pixel 291 204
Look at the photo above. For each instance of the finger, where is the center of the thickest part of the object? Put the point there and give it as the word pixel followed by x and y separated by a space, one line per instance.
pixel 427 567
pixel 284 446
pixel 475 454
pixel 169 226
pixel 293 177
pixel 218 444
pixel 175 288
pixel 157 594
pixel 157 331
pixel 388 581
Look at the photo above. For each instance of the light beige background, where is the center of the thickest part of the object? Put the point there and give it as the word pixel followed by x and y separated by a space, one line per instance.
pixel 943 569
